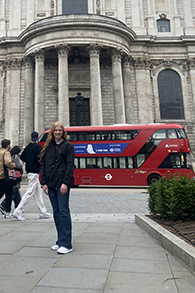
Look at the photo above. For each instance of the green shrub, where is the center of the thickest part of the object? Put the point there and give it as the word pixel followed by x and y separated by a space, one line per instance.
pixel 173 198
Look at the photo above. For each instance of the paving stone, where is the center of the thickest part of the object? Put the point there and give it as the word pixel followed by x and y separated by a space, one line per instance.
pixel 75 278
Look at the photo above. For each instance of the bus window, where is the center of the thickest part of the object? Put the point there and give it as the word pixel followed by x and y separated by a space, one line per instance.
pixel 181 133
pixel 76 163
pixel 107 162
pixel 159 134
pixel 122 162
pixel 81 136
pixel 174 161
pixel 116 163
pixel 90 136
pixel 43 137
pixel 99 162
pixel 140 159
pixel 91 163
pixel 134 133
pixel 171 133
pixel 129 162
pixel 82 163
pixel 98 136
pixel 72 136
pixel 105 136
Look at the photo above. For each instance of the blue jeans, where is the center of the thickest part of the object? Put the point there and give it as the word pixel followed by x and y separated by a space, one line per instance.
pixel 62 218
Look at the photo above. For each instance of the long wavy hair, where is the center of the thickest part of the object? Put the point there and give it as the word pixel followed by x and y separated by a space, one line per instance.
pixel 51 137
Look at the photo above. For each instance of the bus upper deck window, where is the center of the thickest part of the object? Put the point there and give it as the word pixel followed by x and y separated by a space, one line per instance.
pixel 90 136
pixel 159 134
pixel 98 136
pixel 81 136
pixel 172 133
pixel 181 133
pixel 72 136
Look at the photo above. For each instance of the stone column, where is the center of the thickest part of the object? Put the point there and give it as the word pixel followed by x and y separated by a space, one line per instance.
pixel 118 93
pixel 96 96
pixel 8 97
pixel 188 17
pixel 14 18
pixel 12 116
pixel 2 77
pixel 128 94
pixel 137 17
pixel 2 18
pixel 39 106
pixel 28 100
pixel 31 11
pixel 144 91
pixel 150 17
pixel 63 85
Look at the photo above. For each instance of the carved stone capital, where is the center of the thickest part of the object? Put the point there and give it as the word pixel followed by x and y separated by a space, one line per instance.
pixel 13 63
pixel 142 63
pixel 27 62
pixel 3 65
pixel 128 61
pixel 39 55
pixel 63 49
pixel 94 50
pixel 190 63
pixel 117 54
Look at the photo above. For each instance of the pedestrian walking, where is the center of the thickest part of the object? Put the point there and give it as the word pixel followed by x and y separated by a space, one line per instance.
pixel 16 196
pixel 57 168
pixel 30 156
pixel 5 158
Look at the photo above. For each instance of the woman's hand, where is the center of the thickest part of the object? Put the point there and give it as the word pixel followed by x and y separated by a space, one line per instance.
pixel 63 189
pixel 45 189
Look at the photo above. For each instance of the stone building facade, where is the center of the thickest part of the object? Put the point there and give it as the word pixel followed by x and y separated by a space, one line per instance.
pixel 131 61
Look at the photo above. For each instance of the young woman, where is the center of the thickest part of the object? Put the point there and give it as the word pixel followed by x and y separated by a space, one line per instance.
pixel 57 168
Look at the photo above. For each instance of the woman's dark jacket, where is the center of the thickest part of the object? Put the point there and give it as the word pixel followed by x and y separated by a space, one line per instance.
pixel 57 165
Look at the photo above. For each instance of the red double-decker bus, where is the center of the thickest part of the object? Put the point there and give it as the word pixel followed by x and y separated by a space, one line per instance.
pixel 128 155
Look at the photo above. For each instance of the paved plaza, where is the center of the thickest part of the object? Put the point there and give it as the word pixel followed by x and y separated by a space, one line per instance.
pixel 111 253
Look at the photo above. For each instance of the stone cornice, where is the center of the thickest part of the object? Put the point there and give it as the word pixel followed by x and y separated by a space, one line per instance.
pixel 87 21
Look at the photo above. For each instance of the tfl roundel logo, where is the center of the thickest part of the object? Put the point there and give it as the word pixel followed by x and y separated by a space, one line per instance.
pixel 108 177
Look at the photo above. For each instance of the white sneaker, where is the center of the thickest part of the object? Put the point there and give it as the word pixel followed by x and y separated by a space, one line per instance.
pixel 18 216
pixel 45 216
pixel 8 216
pixel 55 247
pixel 64 250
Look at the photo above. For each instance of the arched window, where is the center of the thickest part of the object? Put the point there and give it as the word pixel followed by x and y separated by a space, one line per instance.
pixel 74 6
pixel 170 95
pixel 163 25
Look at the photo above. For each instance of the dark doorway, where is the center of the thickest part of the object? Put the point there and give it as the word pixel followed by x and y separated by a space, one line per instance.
pixel 79 114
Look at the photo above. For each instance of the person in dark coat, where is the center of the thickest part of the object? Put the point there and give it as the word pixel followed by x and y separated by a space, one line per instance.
pixel 16 196
pixel 57 168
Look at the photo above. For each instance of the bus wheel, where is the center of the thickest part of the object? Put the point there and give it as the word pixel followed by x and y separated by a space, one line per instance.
pixel 153 178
